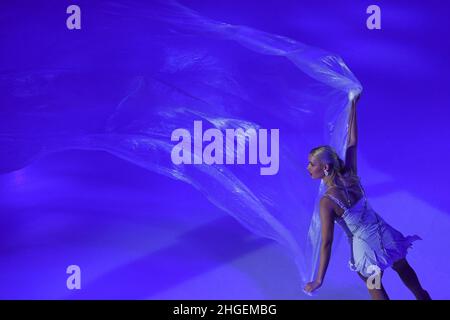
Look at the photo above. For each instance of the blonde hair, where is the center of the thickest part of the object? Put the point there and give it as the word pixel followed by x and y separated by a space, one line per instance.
pixel 327 155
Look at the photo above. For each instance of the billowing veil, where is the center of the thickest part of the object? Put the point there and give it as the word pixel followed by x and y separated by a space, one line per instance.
pixel 137 71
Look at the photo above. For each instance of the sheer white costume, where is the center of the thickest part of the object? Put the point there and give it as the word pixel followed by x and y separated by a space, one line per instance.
pixel 373 242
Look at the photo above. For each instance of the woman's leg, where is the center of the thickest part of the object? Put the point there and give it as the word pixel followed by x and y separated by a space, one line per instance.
pixel 376 294
pixel 410 279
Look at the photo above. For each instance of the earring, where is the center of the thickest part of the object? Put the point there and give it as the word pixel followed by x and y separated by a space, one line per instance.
pixel 325 172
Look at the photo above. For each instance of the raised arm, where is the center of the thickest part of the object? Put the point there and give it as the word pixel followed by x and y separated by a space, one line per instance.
pixel 327 232
pixel 352 141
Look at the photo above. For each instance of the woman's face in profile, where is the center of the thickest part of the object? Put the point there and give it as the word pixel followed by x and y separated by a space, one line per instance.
pixel 314 168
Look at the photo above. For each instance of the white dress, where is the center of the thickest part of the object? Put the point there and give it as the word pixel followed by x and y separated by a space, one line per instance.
pixel 373 242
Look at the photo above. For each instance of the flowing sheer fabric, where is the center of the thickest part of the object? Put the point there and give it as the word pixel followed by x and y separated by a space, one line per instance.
pixel 137 71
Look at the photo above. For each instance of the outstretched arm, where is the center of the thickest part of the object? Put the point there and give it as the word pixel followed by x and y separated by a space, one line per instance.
pixel 350 153
pixel 327 227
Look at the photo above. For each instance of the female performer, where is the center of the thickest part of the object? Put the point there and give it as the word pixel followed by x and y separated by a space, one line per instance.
pixel 375 245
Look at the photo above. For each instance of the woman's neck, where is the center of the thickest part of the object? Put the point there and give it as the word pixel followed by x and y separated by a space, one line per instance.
pixel 334 180
pixel 328 181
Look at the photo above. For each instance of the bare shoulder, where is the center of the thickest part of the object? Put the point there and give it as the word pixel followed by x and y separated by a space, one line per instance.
pixel 327 214
pixel 326 205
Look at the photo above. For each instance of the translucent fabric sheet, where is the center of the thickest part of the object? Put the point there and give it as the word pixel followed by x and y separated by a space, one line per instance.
pixel 137 71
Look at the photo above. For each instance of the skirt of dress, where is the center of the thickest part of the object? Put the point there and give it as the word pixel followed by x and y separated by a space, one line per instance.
pixel 378 245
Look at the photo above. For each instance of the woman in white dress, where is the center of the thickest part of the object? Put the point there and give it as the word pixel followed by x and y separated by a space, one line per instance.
pixel 374 244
